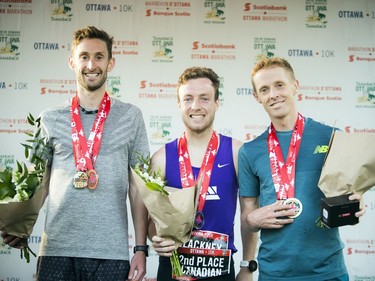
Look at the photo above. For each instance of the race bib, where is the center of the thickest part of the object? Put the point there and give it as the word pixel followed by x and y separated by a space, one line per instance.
pixel 205 255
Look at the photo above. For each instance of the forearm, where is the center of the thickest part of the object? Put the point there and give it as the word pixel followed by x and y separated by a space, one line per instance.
pixel 249 243
pixel 139 216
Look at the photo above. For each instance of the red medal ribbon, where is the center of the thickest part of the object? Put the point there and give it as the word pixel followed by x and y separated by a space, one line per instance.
pixel 283 173
pixel 204 176
pixel 86 152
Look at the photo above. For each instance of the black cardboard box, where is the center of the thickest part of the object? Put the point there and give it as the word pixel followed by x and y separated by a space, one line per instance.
pixel 338 211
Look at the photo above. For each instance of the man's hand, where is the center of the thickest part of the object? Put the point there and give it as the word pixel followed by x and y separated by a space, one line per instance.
pixel 362 209
pixel 244 275
pixel 137 267
pixel 271 216
pixel 163 247
pixel 14 241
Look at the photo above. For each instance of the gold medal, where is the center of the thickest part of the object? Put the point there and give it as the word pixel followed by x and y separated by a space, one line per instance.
pixel 93 179
pixel 296 206
pixel 80 179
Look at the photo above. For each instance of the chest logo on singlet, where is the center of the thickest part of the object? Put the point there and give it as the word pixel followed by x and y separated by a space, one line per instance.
pixel 212 193
pixel 222 165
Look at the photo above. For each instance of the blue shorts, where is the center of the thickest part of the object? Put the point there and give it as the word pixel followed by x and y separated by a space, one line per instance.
pixel 81 269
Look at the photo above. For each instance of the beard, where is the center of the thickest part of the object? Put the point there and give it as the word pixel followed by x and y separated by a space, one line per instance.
pixel 91 86
pixel 198 128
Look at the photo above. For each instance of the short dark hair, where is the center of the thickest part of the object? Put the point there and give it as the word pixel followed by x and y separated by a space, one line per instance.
pixel 199 72
pixel 92 32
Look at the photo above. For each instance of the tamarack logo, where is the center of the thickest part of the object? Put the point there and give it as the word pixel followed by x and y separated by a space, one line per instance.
pixel 61 10
pixel 317 13
pixel 163 49
pixel 9 44
pixel 214 11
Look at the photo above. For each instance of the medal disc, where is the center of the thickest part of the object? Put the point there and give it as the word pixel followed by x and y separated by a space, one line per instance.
pixel 93 179
pixel 80 179
pixel 296 206
pixel 199 220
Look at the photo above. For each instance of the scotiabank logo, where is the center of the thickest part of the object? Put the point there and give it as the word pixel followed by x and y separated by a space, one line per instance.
pixel 247 7
pixel 143 84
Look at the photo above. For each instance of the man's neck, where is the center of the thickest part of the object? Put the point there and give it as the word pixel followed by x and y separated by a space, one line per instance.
pixel 286 123
pixel 197 144
pixel 90 100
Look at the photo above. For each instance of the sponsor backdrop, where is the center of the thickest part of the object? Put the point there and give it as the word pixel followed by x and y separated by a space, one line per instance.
pixel 330 43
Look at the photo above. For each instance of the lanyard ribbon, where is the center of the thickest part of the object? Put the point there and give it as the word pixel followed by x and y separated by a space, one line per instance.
pixel 186 170
pixel 283 173
pixel 86 152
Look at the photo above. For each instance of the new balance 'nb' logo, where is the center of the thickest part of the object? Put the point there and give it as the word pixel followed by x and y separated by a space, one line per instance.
pixel 321 149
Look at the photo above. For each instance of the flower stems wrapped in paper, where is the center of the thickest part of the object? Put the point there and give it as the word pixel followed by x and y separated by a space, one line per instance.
pixel 349 167
pixel 171 209
pixel 22 191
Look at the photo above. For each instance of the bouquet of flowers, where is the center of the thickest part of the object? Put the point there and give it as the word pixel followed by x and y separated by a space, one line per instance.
pixel 347 171
pixel 171 209
pixel 21 191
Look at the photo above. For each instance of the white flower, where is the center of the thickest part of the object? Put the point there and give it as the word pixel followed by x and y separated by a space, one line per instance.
pixel 152 179
pixel 6 200
pixel 21 196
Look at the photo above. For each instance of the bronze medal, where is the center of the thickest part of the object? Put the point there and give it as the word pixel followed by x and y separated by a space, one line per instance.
pixel 80 179
pixel 93 179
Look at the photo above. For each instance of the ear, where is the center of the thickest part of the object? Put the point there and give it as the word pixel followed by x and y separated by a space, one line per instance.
pixel 296 86
pixel 178 101
pixel 111 64
pixel 71 63
pixel 217 104
pixel 255 95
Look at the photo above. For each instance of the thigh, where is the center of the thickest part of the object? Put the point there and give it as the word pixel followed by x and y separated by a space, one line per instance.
pixel 102 270
pixel 55 269
pixel 164 270
pixel 81 269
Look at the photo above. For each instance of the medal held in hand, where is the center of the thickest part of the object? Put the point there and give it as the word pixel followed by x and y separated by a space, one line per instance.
pixel 283 172
pixel 80 179
pixel 296 206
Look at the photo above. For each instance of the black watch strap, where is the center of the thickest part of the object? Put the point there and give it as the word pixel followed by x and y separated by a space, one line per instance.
pixel 143 248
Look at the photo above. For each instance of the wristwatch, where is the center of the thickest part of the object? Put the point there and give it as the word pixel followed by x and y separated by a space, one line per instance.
pixel 251 265
pixel 143 248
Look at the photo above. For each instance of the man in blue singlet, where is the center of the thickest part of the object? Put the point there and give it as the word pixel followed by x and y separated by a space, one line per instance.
pixel 204 152
pixel 293 247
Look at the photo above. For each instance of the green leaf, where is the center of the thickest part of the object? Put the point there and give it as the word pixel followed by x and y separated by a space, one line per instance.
pixel 32 181
pixel 27 154
pixel 37 134
pixel 19 167
pixel 155 187
pixel 6 175
pixel 25 172
pixel 7 190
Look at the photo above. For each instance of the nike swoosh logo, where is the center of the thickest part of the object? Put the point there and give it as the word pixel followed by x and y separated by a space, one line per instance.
pixel 222 165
